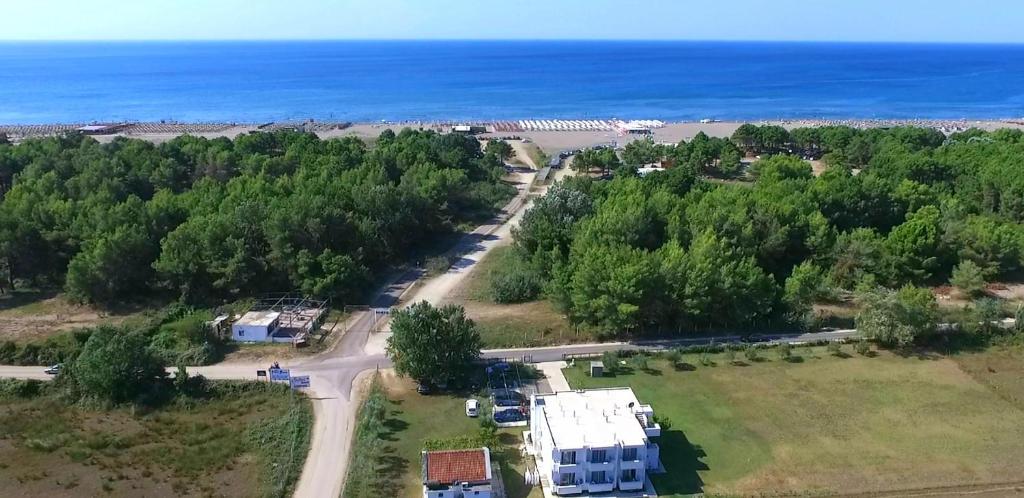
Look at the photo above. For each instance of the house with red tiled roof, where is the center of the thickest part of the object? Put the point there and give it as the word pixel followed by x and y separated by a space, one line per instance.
pixel 457 473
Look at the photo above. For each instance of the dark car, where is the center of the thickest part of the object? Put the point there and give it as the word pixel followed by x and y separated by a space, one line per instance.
pixel 510 398
pixel 753 338
pixel 509 416
pixel 423 388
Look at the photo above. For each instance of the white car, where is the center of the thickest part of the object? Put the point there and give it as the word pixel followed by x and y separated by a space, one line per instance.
pixel 472 408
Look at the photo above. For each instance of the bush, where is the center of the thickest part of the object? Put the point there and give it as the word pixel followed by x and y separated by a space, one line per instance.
pixel 513 280
pixel 752 353
pixel 863 347
pixel 730 356
pixel 969 278
pixel 509 286
pixel 640 361
pixel 22 389
pixel 835 348
pixel 610 362
pixel 785 351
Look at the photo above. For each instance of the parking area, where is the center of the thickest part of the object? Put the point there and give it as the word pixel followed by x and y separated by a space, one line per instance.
pixel 510 385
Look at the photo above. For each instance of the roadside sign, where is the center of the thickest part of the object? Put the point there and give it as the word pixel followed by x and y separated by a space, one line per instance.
pixel 261 373
pixel 300 381
pixel 280 374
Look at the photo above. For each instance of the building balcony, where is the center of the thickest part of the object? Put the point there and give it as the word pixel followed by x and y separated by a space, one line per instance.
pixel 633 464
pixel 653 430
pixel 574 489
pixel 601 487
pixel 560 468
pixel 636 484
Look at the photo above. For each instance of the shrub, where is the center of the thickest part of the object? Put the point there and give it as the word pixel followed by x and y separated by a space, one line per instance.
pixel 510 286
pixel 752 353
pixel 16 388
pixel 730 356
pixel 610 361
pixel 640 361
pixel 862 347
pixel 969 278
pixel 835 348
pixel 785 351
pixel 514 280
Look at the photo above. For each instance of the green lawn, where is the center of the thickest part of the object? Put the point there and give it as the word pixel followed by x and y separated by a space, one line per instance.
pixel 825 424
pixel 415 418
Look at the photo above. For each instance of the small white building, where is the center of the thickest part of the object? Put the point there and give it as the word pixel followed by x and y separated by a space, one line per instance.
pixel 256 326
pixel 593 441
pixel 457 474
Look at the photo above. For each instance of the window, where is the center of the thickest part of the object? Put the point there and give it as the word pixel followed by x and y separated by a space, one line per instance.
pixel 567 479
pixel 629 475
pixel 241 333
pixel 568 458
pixel 597 477
pixel 629 454
pixel 599 456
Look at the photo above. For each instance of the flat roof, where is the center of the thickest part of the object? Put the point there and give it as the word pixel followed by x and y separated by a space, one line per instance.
pixel 450 467
pixel 258 318
pixel 598 418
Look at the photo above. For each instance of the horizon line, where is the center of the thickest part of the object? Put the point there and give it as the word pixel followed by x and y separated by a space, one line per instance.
pixel 507 40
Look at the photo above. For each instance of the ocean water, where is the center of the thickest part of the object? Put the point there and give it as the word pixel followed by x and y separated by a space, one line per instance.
pixel 371 81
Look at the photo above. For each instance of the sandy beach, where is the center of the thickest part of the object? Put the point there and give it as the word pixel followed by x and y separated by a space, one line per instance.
pixel 548 141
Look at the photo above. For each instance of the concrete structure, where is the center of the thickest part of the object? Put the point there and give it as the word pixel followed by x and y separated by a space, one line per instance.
pixel 256 326
pixel 593 441
pixel 457 474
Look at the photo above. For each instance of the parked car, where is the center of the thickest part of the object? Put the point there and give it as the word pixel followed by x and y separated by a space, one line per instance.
pixel 472 408
pixel 510 398
pixel 423 388
pixel 54 369
pixel 509 416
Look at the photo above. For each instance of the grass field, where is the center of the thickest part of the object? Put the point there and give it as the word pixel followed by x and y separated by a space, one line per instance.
pixel 824 424
pixel 238 442
pixel 414 418
pixel 532 324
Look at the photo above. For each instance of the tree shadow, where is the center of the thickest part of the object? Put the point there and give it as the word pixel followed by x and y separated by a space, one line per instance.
pixel 683 462
pixel 795 359
pixel 18 298
pixel 390 469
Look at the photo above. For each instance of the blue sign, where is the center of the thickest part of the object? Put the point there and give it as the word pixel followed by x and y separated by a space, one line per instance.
pixel 300 381
pixel 279 374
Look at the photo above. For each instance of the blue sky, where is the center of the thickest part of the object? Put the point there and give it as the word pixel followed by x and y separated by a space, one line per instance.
pixel 998 21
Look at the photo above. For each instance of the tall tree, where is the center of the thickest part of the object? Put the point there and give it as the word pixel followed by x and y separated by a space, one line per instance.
pixel 433 345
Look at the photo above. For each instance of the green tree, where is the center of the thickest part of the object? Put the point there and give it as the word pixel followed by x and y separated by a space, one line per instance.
pixel 433 345
pixel 116 365
pixel 897 318
pixel 501 149
pixel 969 278
pixel 803 287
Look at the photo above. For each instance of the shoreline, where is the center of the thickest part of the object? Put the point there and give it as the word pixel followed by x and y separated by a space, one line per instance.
pixel 565 134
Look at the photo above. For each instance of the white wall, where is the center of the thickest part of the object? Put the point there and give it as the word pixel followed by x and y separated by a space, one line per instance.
pixel 249 333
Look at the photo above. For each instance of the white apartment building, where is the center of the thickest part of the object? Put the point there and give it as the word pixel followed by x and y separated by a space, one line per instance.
pixel 593 441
